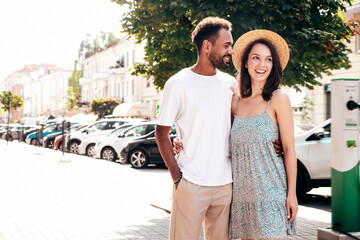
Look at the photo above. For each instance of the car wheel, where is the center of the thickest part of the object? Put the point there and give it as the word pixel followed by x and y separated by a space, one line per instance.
pixel 60 147
pixel 74 147
pixel 301 185
pixel 138 158
pixel 50 143
pixel 9 137
pixel 109 154
pixel 35 142
pixel 90 150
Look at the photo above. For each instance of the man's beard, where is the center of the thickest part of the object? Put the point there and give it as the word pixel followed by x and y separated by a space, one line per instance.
pixel 218 61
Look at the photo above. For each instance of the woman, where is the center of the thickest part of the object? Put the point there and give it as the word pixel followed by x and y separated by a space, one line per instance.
pixel 264 203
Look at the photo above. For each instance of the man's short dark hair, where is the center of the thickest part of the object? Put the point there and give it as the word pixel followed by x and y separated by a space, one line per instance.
pixel 208 29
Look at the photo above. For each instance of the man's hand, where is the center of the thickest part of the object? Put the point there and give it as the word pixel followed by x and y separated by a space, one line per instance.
pixel 177 146
pixel 278 147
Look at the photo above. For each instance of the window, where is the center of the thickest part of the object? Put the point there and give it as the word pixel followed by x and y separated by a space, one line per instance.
pixel 133 56
pixel 173 130
pixel 327 131
pixel 150 128
pixel 120 129
pixel 120 61
pixel 97 127
pixel 51 128
pixel 127 59
pixel 136 131
pixel 113 125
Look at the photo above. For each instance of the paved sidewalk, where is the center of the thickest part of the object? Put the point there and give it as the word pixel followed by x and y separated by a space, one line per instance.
pixel 89 199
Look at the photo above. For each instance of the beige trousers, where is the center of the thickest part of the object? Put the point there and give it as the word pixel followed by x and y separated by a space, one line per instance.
pixel 194 205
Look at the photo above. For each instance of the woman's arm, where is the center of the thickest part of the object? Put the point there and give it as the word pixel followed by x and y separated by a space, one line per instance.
pixel 234 102
pixel 283 113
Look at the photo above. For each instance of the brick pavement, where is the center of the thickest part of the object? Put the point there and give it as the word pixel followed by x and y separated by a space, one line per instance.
pixel 89 199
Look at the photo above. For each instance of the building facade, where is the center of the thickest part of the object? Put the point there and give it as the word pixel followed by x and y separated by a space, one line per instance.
pixel 42 87
pixel 107 74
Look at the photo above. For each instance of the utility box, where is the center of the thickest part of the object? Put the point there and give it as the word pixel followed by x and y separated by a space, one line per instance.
pixel 345 155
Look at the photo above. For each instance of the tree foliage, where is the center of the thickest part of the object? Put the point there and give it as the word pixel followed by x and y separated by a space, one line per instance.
pixel 91 45
pixel 71 99
pixel 104 106
pixel 74 87
pixel 306 107
pixel 10 101
pixel 314 29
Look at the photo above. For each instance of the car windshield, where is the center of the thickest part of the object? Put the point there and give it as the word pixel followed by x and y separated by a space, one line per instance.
pixel 72 128
pixel 139 130
pixel 51 128
pixel 120 129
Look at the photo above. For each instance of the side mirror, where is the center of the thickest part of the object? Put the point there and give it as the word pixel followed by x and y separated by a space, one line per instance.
pixel 121 135
pixel 87 131
pixel 315 137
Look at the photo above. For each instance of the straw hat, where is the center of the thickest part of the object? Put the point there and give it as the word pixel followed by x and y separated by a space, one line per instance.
pixel 275 39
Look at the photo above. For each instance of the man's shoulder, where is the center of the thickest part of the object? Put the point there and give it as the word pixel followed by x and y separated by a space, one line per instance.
pixel 178 77
pixel 225 76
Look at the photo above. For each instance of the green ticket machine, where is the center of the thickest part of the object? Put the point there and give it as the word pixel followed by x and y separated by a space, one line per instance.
pixel 345 156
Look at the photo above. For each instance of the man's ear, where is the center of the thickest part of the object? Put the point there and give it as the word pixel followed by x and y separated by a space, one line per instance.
pixel 206 47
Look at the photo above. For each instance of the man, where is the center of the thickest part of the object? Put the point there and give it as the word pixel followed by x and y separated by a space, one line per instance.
pixel 198 101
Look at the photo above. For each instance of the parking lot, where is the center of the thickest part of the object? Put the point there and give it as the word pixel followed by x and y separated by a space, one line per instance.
pixel 48 195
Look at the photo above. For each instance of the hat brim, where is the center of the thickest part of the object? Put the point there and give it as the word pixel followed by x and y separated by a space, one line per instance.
pixel 275 39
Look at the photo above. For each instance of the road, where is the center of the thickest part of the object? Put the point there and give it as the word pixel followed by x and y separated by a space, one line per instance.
pixel 47 195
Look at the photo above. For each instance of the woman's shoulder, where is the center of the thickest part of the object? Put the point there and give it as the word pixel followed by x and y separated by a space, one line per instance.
pixel 280 98
pixel 279 94
pixel 235 98
pixel 234 102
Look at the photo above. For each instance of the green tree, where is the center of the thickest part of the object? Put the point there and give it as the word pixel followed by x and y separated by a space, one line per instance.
pixel 104 106
pixel 71 99
pixel 74 87
pixel 306 107
pixel 314 30
pixel 10 101
pixel 91 45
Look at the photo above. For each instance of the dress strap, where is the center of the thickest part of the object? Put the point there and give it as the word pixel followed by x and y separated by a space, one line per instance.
pixel 267 107
pixel 237 104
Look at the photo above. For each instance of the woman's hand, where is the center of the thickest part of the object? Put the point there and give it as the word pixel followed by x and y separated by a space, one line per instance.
pixel 177 146
pixel 291 207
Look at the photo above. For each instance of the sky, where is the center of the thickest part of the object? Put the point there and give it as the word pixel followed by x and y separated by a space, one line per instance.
pixel 50 31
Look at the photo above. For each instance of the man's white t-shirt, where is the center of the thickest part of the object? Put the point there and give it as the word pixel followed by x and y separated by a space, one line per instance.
pixel 200 108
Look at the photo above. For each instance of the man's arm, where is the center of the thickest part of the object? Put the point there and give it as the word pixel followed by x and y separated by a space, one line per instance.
pixel 166 150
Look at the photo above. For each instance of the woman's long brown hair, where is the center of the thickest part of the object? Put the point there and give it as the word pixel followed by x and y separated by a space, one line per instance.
pixel 272 82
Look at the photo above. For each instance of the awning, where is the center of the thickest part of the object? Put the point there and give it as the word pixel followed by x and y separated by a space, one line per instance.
pixel 136 109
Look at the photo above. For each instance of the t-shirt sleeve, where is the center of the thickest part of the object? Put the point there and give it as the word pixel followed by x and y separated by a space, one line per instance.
pixel 170 105
pixel 235 86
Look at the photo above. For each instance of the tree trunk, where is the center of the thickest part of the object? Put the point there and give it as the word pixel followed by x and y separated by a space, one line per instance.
pixel 8 129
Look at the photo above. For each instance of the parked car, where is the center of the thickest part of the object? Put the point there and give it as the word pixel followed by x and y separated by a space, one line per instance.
pixel 30 131
pixel 59 139
pixel 36 137
pixel 8 127
pixel 109 148
pixel 99 128
pixel 15 132
pixel 87 146
pixel 313 152
pixel 50 139
pixel 143 151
